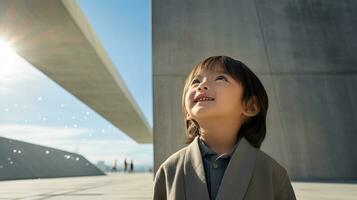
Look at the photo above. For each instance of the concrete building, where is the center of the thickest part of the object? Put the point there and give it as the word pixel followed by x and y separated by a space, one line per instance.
pixel 56 38
pixel 22 160
pixel 303 52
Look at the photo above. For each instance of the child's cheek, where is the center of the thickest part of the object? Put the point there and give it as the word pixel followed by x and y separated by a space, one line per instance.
pixel 189 98
pixel 227 99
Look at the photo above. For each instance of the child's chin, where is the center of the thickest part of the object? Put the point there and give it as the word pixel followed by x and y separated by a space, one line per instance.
pixel 204 104
pixel 202 112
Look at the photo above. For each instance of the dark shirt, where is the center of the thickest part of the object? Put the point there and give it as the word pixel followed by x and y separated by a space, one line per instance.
pixel 215 166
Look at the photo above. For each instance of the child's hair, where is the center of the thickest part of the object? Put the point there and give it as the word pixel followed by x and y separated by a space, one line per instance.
pixel 254 129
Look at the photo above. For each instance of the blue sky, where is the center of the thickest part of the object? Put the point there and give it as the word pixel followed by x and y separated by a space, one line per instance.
pixel 31 111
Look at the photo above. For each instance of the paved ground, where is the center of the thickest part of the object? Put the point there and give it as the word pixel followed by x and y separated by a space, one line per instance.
pixel 118 186
pixel 325 191
pixel 137 186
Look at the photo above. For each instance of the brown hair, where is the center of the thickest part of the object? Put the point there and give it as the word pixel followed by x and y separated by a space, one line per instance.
pixel 254 129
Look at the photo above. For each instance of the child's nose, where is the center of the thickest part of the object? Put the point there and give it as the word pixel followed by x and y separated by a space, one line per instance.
pixel 202 86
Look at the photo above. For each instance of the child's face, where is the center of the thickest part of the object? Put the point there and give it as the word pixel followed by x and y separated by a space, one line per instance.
pixel 226 94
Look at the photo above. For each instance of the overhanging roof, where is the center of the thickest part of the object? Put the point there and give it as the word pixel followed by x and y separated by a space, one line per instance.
pixel 55 37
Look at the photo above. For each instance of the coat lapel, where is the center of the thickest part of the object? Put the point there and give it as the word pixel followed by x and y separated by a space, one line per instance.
pixel 238 172
pixel 236 177
pixel 195 181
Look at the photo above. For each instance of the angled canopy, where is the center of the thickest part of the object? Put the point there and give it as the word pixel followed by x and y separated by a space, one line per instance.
pixel 55 37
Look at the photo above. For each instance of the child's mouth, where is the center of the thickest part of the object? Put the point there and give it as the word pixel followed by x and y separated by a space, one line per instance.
pixel 204 99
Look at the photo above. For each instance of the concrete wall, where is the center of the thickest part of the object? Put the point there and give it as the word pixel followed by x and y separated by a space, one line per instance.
pixel 303 52
pixel 21 160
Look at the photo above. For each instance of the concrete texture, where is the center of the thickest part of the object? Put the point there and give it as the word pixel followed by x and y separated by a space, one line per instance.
pixel 55 37
pixel 303 52
pixel 21 160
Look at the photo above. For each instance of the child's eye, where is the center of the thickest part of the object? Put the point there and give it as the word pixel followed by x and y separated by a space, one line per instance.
pixel 195 81
pixel 221 78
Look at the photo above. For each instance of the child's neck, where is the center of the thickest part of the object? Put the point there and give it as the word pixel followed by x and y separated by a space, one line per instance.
pixel 219 135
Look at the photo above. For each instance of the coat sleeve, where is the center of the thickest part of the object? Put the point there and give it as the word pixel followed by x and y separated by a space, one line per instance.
pixel 286 189
pixel 159 185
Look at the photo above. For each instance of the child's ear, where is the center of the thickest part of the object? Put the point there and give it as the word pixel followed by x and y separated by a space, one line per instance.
pixel 251 108
pixel 187 115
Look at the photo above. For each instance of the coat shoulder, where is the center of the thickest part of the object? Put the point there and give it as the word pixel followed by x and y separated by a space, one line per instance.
pixel 266 161
pixel 173 161
pixel 268 171
pixel 276 174
pixel 168 170
pixel 168 175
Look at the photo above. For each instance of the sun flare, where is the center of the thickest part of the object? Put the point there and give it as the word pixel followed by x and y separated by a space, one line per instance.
pixel 7 57
pixel 5 46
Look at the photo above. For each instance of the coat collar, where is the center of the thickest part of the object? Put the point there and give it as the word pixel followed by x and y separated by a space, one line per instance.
pixel 236 177
pixel 205 150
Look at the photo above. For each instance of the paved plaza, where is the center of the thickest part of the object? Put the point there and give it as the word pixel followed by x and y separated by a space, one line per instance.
pixel 116 186
pixel 137 186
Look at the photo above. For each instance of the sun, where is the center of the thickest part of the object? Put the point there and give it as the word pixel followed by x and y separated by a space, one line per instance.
pixel 5 48
pixel 7 57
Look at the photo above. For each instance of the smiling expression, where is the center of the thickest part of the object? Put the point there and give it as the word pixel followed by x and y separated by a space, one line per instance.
pixel 213 93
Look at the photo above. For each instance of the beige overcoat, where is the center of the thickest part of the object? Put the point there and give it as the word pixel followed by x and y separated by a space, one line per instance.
pixel 250 174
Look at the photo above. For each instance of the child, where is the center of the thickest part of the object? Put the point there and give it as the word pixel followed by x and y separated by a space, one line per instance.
pixel 225 107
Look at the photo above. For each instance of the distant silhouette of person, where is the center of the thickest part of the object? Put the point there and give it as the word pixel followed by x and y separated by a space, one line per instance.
pixel 125 165
pixel 114 169
pixel 131 166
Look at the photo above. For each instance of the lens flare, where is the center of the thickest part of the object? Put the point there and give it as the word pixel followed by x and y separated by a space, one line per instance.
pixel 5 48
pixel 8 59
